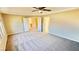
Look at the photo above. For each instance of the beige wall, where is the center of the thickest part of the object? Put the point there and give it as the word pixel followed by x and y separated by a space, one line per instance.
pixel 65 24
pixel 13 24
pixel 3 41
pixel 46 20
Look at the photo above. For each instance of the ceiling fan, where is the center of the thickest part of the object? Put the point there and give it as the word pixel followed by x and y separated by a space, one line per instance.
pixel 41 9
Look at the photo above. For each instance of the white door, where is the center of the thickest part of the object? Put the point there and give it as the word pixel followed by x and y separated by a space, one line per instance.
pixel 39 24
pixel 26 24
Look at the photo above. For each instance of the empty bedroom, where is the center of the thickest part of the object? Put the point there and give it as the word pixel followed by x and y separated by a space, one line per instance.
pixel 39 29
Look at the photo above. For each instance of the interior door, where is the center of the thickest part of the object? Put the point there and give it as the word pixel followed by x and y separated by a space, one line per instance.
pixel 26 24
pixel 39 24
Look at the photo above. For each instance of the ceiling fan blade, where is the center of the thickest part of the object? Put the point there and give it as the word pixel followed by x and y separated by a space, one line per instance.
pixel 47 10
pixel 35 7
pixel 34 10
pixel 41 8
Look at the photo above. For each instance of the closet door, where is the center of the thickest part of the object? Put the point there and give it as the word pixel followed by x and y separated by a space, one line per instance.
pixel 26 24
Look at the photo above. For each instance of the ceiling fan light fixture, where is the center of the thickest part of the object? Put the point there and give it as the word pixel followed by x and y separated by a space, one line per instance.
pixel 40 11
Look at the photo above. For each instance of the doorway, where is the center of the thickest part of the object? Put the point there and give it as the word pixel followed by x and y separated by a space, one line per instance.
pixel 32 24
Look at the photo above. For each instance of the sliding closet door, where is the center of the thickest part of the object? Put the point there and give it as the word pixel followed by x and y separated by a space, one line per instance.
pixel 26 24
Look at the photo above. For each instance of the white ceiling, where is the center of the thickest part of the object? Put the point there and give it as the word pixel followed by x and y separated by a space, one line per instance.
pixel 27 11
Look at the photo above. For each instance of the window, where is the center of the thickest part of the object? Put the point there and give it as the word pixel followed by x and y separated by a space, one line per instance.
pixel 2 32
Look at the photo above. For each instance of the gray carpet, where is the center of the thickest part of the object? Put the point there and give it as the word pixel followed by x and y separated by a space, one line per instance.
pixel 39 41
